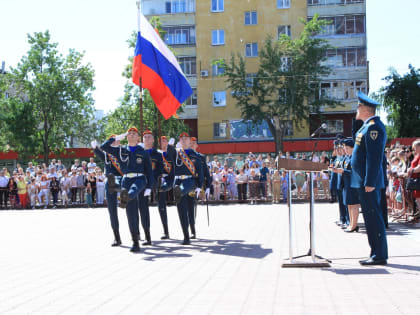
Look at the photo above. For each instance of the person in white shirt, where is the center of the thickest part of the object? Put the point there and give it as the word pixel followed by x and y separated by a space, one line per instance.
pixel 4 180
pixel 217 181
pixel 44 187
pixel 91 165
pixel 100 187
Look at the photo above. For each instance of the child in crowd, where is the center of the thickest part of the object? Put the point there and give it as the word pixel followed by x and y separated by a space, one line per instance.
pixel 32 192
pixel 89 194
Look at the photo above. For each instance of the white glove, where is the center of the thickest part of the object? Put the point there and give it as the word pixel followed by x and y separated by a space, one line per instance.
pixel 121 136
pixel 147 192
pixel 94 144
pixel 178 145
pixel 171 141
pixel 141 144
pixel 162 181
pixel 197 192
pixel 207 193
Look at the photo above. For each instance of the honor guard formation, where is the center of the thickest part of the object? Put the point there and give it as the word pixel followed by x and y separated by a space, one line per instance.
pixel 140 173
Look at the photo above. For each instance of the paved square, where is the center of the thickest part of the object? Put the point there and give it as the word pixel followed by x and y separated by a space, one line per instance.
pixel 61 262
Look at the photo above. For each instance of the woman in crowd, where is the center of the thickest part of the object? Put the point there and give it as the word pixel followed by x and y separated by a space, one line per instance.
pixel 12 191
pixel 54 188
pixel 217 181
pixel 22 191
pixel 89 191
pixel 276 184
pixel 32 192
pixel 74 187
pixel 300 178
pixel 285 185
pixel 100 187
pixel 242 182
pixel 91 178
pixel 65 188
pixel 254 182
pixel 414 172
pixel 44 191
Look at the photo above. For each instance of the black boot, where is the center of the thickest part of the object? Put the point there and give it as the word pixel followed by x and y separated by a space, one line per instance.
pixel 148 238
pixel 165 232
pixel 192 226
pixel 117 238
pixel 136 247
pixel 186 237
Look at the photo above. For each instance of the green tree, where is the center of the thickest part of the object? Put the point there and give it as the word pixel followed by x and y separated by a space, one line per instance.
pixel 401 99
pixel 50 100
pixel 128 114
pixel 286 85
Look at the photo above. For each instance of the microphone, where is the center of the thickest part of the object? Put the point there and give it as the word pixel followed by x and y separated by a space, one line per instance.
pixel 322 127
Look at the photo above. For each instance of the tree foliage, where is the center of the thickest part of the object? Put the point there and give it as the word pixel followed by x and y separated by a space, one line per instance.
pixel 50 100
pixel 128 114
pixel 286 85
pixel 401 99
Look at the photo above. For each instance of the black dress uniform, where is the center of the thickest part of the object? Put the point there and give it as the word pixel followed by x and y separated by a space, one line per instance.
pixel 138 176
pixel 112 166
pixel 188 176
pixel 166 185
pixel 367 161
pixel 344 212
pixel 157 170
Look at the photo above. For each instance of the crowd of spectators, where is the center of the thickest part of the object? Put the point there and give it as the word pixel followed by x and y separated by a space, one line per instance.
pixel 245 178
pixel 43 186
pixel 257 177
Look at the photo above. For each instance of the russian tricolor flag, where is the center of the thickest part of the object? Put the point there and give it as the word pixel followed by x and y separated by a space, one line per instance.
pixel 159 70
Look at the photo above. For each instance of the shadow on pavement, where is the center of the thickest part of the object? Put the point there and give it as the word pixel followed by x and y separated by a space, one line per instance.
pixel 358 271
pixel 404 267
pixel 221 247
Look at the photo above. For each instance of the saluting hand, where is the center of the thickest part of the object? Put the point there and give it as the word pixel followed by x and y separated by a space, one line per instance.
pixel 369 189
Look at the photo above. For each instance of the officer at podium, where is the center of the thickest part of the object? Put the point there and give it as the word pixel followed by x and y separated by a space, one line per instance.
pixel 368 177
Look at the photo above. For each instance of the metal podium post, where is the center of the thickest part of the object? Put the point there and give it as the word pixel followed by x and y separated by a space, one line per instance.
pixel 317 261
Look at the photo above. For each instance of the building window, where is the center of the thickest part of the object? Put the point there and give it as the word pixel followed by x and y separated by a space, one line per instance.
pixel 219 98
pixel 251 18
pixel 251 50
pixel 217 70
pixel 285 65
pixel 346 57
pixel 192 100
pixel 217 37
pixel 345 24
pixel 335 126
pixel 180 35
pixel 168 7
pixel 329 2
pixel 6 95
pixel 217 5
pixel 219 130
pixel 343 90
pixel 283 4
pixel 284 29
pixel 283 96
pixel 188 65
pixel 249 80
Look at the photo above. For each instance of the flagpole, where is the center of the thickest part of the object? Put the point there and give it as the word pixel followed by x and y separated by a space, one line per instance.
pixel 140 83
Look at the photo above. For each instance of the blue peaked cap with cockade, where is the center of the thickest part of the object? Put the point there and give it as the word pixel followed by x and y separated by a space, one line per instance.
pixel 366 100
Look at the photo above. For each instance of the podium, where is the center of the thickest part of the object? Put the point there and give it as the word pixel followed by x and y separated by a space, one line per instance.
pixel 310 167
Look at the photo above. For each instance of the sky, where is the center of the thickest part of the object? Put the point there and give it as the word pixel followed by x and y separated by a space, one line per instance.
pixel 101 28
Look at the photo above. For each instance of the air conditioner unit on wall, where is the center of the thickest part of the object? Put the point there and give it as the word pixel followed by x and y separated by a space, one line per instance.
pixel 204 73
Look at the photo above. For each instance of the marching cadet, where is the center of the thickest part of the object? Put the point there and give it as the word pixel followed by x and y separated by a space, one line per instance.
pixel 350 195
pixel 344 214
pixel 114 175
pixel 368 177
pixel 188 180
pixel 157 169
pixel 207 182
pixel 167 181
pixel 138 176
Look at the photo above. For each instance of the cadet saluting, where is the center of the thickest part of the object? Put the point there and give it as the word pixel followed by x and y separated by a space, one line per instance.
pixel 114 175
pixel 188 169
pixel 367 176
pixel 138 176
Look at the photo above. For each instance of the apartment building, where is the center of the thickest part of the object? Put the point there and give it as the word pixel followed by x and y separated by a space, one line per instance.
pixel 202 31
